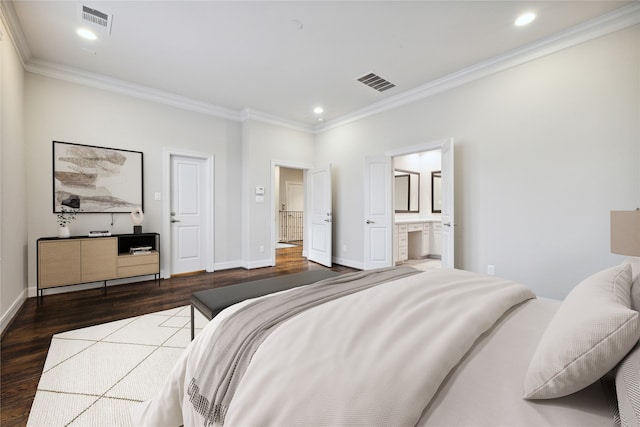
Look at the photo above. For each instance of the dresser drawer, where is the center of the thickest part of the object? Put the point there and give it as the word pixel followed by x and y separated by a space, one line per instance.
pixel 130 260
pixel 137 265
pixel 137 270
pixel 414 227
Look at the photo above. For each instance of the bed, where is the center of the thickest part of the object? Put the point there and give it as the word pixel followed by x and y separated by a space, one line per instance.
pixel 401 347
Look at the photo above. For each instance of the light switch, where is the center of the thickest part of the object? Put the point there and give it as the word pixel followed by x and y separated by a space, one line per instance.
pixel 156 195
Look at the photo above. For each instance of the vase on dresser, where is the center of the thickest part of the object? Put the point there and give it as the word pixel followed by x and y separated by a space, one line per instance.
pixel 63 232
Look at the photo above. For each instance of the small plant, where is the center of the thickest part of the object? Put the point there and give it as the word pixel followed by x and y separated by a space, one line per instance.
pixel 66 216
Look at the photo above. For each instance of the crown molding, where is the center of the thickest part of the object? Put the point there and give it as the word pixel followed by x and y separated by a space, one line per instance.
pixel 11 24
pixel 611 22
pixel 251 114
pixel 72 75
pixel 98 81
pixel 614 21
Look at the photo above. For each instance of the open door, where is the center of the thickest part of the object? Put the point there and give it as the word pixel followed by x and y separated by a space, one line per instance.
pixel 448 226
pixel 378 213
pixel 320 216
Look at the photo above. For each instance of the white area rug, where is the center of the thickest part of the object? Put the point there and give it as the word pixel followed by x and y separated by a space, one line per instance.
pixel 92 376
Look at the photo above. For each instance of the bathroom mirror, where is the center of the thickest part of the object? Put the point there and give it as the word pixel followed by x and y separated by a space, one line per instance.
pixel 436 192
pixel 406 191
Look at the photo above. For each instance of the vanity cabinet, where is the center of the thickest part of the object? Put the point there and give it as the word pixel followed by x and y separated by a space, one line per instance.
pixel 78 260
pixel 401 243
pixel 436 239
pixel 419 240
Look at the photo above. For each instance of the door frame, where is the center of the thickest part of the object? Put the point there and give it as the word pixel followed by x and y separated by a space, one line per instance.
pixel 208 224
pixel 419 148
pixel 274 204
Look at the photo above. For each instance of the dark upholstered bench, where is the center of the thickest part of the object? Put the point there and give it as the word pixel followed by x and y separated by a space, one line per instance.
pixel 213 301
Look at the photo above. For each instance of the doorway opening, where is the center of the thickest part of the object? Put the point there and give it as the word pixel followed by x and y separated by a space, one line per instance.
pixel 289 219
pixel 379 209
pixel 417 219
pixel 315 198
pixel 290 202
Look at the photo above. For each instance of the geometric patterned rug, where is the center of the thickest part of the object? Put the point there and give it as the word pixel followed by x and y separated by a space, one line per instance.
pixel 92 376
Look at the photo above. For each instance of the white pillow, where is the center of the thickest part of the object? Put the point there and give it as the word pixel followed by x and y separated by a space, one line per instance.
pixel 593 329
pixel 635 277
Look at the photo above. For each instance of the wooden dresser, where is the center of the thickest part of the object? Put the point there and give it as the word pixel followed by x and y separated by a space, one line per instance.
pixel 81 259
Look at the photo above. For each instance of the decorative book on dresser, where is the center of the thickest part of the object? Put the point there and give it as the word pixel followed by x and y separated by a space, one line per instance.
pixel 82 259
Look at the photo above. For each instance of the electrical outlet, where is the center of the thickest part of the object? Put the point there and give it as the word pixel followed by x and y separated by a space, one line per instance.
pixel 491 269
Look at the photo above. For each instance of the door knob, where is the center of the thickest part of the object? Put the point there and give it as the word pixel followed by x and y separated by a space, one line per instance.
pixel 370 222
pixel 175 220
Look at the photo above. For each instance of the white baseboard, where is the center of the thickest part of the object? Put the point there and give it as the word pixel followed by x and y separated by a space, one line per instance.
pixel 228 265
pixel 358 265
pixel 13 310
pixel 258 264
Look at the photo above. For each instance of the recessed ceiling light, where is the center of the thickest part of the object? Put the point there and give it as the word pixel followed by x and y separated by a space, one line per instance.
pixel 525 19
pixel 86 34
pixel 318 110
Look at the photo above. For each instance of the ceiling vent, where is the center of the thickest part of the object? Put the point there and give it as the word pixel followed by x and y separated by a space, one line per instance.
pixel 376 82
pixel 97 19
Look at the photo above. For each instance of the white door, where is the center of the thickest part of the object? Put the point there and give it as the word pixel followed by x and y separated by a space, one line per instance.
pixel 448 253
pixel 320 213
pixel 188 214
pixel 377 213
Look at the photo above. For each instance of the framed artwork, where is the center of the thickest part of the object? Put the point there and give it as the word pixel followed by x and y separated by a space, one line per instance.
pixel 96 179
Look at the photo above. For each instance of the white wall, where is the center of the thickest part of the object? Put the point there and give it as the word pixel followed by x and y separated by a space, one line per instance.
pixel 264 144
pixel 543 152
pixel 13 182
pixel 63 111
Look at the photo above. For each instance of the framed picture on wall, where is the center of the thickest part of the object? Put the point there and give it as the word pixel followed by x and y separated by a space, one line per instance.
pixel 96 179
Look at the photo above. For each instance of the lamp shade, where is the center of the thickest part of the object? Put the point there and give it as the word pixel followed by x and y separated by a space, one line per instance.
pixel 625 232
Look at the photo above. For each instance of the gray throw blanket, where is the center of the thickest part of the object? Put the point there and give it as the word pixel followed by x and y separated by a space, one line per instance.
pixel 238 337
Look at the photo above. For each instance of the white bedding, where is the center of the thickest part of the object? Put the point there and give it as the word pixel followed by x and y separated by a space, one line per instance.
pixel 372 358
pixel 486 388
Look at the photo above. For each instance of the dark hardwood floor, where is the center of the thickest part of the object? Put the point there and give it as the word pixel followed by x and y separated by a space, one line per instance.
pixel 25 342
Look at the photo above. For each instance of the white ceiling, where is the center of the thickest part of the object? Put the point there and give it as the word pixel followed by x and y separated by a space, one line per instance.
pixel 284 58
